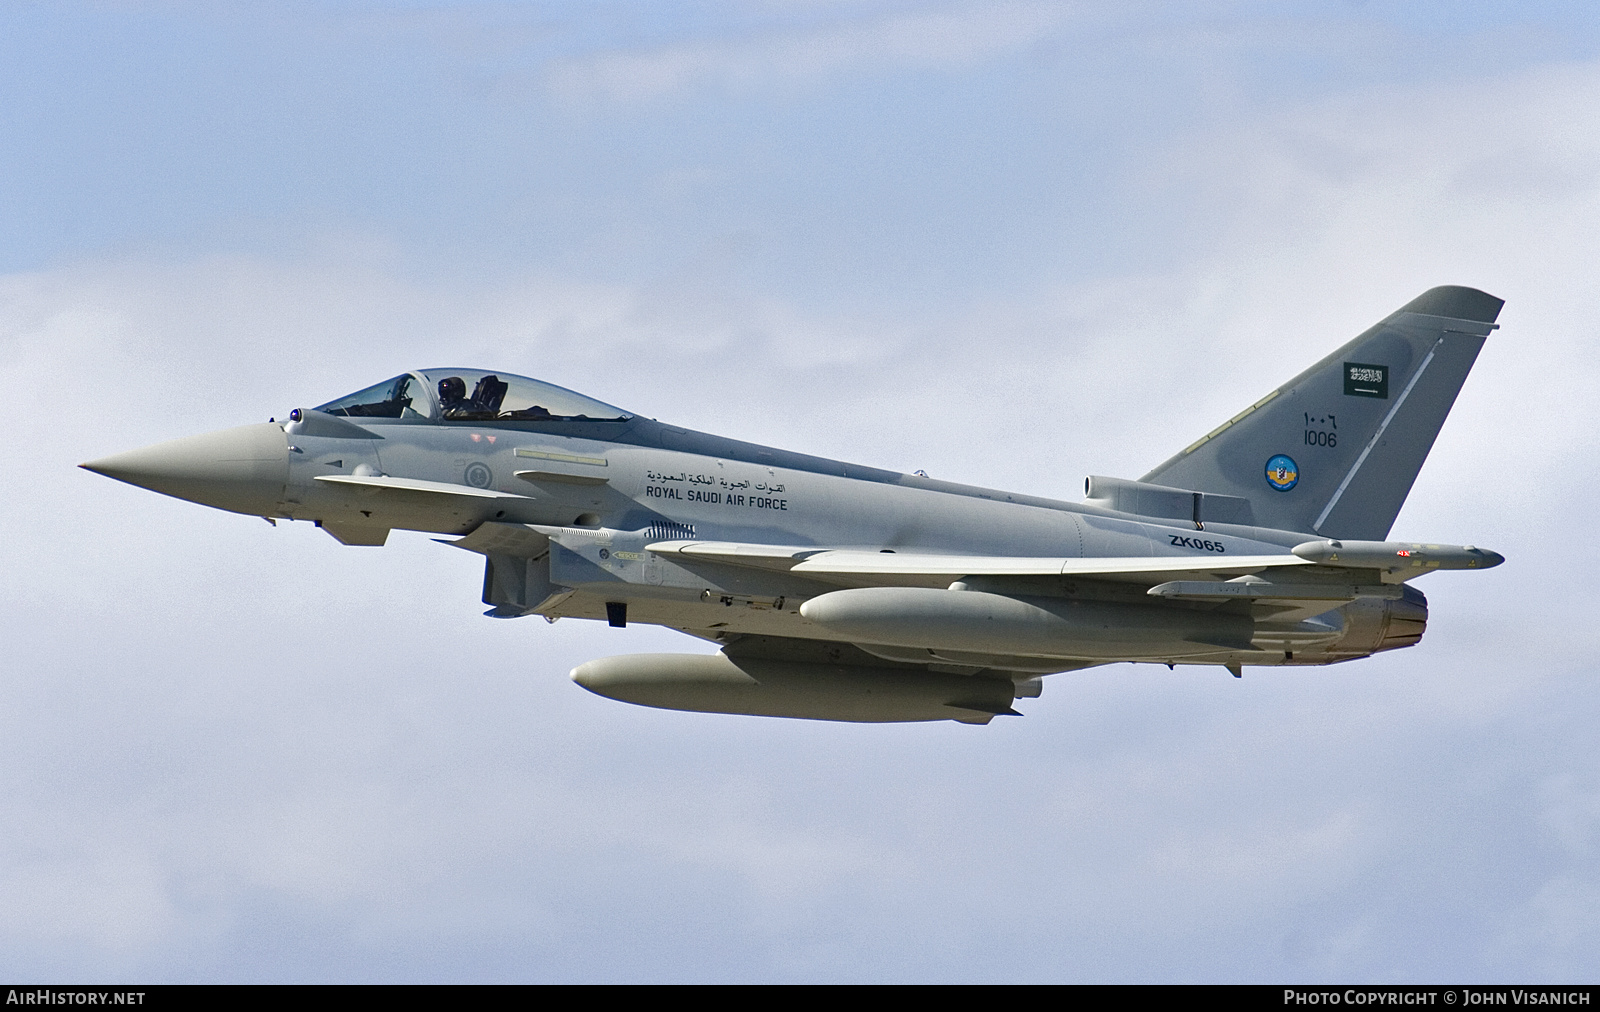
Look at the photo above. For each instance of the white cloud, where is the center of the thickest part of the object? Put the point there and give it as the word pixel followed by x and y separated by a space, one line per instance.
pixel 952 37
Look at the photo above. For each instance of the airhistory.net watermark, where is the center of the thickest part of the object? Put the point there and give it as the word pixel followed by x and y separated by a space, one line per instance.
pixel 45 996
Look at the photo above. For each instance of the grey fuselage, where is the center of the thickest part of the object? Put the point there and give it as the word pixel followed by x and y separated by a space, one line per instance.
pixel 615 487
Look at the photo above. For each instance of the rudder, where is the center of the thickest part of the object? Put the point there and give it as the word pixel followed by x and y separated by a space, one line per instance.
pixel 1336 449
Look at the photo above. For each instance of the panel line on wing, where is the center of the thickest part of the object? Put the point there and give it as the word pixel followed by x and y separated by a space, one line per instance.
pixel 855 562
pixel 902 564
pixel 415 485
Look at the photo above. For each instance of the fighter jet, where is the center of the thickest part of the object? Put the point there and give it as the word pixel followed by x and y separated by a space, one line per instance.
pixel 837 591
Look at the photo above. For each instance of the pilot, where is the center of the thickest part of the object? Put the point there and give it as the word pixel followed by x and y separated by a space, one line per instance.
pixel 452 396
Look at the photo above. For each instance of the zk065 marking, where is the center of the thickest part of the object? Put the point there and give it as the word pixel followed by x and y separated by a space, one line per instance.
pixel 1179 541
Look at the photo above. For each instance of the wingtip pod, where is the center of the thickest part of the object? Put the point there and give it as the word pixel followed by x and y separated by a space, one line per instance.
pixel 1397 556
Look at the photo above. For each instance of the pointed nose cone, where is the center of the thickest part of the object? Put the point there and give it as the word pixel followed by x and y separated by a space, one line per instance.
pixel 243 469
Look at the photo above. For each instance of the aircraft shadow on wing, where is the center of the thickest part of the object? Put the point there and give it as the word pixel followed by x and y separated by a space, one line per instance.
pixel 843 592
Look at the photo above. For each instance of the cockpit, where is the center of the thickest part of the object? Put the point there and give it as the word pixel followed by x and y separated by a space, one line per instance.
pixel 472 395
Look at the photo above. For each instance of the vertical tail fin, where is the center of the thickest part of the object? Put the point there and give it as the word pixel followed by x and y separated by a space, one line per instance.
pixel 1336 449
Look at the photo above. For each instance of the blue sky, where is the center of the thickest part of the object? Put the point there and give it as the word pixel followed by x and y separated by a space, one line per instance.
pixel 1011 244
pixel 613 140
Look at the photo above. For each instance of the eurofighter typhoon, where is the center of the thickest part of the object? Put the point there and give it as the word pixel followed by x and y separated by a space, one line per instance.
pixel 843 592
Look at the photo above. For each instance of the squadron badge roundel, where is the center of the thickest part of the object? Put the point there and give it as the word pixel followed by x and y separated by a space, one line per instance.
pixel 1282 472
pixel 479 476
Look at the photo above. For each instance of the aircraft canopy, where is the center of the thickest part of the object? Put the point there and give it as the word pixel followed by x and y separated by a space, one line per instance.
pixel 471 395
